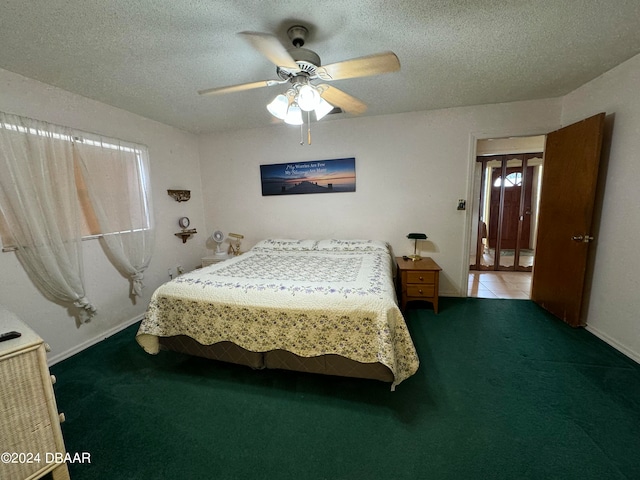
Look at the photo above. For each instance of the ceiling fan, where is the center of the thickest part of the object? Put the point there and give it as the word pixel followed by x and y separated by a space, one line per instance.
pixel 302 68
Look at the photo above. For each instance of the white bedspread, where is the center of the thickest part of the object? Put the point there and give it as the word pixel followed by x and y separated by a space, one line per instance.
pixel 309 302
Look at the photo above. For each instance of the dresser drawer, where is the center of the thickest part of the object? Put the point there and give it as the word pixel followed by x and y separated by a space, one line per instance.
pixel 421 290
pixel 421 277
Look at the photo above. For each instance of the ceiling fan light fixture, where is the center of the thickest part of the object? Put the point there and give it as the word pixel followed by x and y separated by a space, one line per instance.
pixel 308 98
pixel 322 109
pixel 299 67
pixel 278 107
pixel 294 115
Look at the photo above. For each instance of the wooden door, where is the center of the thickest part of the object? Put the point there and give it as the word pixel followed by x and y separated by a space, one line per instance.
pixel 525 210
pixel 512 206
pixel 510 216
pixel 570 174
pixel 495 200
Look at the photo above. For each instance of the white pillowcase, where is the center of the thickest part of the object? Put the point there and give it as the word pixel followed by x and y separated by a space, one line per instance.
pixel 336 245
pixel 284 245
pixel 326 245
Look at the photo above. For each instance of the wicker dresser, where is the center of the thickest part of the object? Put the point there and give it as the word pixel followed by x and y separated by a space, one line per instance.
pixel 30 434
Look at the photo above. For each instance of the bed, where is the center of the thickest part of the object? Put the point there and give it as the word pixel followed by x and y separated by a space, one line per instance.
pixel 320 306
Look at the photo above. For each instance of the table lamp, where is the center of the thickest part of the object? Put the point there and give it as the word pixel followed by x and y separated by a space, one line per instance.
pixel 235 246
pixel 415 237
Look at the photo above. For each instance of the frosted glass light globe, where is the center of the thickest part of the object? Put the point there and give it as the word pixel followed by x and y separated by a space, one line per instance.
pixel 308 98
pixel 294 115
pixel 278 107
pixel 323 108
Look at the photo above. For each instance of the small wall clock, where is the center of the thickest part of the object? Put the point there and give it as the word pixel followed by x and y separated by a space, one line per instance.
pixel 184 222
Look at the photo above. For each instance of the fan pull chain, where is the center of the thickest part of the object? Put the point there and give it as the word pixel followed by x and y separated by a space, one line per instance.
pixel 308 130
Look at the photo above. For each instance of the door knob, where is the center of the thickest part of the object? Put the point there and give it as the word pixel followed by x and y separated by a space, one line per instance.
pixel 582 238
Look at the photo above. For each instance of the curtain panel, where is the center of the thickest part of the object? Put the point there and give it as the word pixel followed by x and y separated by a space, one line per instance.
pixel 58 185
pixel 115 175
pixel 39 206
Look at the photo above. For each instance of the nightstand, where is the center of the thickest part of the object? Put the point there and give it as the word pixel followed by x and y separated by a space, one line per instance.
pixel 418 280
pixel 211 259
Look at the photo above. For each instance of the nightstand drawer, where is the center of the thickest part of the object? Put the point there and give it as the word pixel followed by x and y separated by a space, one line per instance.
pixel 420 290
pixel 421 277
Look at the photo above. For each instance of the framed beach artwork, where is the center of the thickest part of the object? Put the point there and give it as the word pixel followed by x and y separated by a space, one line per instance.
pixel 317 176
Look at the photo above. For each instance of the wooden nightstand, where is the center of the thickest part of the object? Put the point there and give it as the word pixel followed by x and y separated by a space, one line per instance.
pixel 418 280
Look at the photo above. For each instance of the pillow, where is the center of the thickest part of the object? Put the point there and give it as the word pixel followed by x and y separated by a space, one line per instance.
pixel 284 245
pixel 352 245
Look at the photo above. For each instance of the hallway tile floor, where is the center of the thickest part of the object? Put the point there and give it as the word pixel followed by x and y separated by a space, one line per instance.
pixel 516 285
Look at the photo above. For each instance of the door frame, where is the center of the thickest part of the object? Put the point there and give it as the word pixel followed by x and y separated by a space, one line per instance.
pixel 494 224
pixel 473 195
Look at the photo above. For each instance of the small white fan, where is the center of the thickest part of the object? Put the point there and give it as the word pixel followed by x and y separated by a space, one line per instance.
pixel 218 237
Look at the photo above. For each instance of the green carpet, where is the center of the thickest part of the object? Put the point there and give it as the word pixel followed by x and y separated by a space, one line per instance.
pixel 503 391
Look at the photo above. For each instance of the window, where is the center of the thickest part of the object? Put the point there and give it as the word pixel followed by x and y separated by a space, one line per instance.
pixel 512 180
pixel 104 168
pixel 116 174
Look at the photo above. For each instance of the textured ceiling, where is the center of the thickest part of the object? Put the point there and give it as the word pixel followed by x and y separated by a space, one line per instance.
pixel 150 57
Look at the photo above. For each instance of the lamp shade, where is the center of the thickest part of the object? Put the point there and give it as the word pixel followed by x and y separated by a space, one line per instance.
pixel 294 115
pixel 322 109
pixel 278 107
pixel 308 98
pixel 417 236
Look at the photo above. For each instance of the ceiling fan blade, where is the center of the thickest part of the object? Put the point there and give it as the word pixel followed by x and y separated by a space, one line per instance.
pixel 270 47
pixel 360 67
pixel 239 88
pixel 338 98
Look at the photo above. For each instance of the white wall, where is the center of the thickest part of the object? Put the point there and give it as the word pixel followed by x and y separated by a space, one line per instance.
pixel 614 300
pixel 174 164
pixel 411 169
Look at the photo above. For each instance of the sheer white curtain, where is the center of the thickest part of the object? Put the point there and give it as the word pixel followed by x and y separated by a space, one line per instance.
pixel 116 178
pixel 39 204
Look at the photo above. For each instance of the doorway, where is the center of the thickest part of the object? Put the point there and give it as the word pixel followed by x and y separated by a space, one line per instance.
pixel 561 250
pixel 508 178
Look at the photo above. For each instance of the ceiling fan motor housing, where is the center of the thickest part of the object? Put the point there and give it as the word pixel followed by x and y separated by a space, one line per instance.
pixel 305 55
pixel 298 35
pixel 307 60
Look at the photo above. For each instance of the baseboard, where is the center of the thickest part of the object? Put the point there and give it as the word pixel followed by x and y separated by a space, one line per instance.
pixel 614 343
pixel 53 359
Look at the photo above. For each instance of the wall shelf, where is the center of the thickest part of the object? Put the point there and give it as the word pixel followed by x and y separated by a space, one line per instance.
pixel 180 195
pixel 186 234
